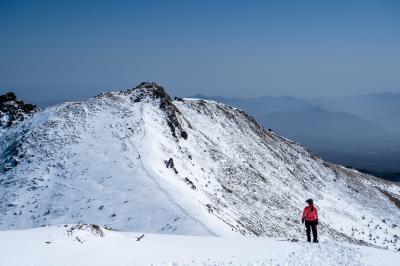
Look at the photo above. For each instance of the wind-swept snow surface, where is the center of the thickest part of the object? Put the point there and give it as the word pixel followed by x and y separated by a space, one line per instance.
pixel 84 245
pixel 137 161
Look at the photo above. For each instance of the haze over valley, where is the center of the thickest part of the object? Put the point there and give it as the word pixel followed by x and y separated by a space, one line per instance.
pixel 360 131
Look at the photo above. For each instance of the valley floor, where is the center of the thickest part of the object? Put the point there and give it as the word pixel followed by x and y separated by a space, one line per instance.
pixel 85 245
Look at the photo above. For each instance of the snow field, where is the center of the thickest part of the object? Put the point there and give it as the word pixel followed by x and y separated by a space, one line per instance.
pixel 53 246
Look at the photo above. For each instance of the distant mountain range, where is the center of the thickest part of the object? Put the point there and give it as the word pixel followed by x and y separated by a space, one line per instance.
pixel 318 123
pixel 382 108
pixel 359 131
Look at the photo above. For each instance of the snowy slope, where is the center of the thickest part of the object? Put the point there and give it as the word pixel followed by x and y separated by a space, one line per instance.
pixel 137 161
pixel 63 246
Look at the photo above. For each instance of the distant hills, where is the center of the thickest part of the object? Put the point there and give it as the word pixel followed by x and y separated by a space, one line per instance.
pixel 382 108
pixel 318 123
pixel 359 131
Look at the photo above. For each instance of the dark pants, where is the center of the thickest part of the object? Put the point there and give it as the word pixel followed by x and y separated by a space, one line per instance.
pixel 312 225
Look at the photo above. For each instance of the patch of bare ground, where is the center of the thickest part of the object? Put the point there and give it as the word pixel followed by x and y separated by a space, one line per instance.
pixel 393 199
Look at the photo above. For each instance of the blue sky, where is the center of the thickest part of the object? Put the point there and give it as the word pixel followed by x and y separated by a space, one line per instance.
pixel 74 49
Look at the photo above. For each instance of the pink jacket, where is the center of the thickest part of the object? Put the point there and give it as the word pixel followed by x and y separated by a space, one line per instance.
pixel 309 215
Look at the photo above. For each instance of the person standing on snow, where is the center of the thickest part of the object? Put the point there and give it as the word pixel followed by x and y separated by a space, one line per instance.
pixel 310 217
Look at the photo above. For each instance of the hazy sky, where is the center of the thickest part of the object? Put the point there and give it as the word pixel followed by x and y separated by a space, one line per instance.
pixel 73 49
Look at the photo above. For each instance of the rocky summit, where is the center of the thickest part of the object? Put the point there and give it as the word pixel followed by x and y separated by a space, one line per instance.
pixel 13 110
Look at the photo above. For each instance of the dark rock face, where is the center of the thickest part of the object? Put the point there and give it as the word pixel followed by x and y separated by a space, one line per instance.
pixel 170 164
pixel 13 110
pixel 9 96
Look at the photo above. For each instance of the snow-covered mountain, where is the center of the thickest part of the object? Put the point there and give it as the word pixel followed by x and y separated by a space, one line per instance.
pixel 136 160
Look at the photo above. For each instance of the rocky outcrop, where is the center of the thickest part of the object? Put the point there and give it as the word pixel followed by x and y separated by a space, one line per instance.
pixel 157 92
pixel 13 110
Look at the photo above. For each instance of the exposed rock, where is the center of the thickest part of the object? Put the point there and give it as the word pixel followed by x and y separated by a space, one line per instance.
pixel 13 110
pixel 157 92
